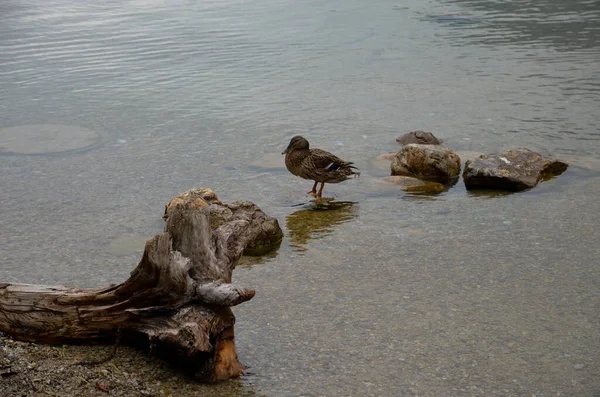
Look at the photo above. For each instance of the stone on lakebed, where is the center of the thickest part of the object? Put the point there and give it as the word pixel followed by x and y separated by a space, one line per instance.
pixel 410 184
pixel 420 137
pixel 426 162
pixel 514 170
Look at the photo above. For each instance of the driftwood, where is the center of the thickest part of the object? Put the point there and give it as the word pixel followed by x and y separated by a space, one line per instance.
pixel 176 301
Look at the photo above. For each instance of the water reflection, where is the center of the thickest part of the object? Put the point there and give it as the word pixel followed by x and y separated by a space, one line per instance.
pixel 318 221
pixel 429 191
pixel 565 25
pixel 488 193
pixel 249 261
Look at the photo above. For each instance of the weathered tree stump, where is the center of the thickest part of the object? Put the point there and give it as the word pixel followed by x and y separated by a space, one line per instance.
pixel 177 300
pixel 263 238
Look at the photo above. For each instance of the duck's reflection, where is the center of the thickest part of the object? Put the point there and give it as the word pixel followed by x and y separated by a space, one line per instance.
pixel 320 219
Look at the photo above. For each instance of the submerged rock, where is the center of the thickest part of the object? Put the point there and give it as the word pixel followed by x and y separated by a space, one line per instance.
pixel 515 169
pixel 410 184
pixel 420 137
pixel 426 161
pixel 38 139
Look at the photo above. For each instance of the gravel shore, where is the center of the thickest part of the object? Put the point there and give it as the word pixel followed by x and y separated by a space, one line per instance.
pixel 28 369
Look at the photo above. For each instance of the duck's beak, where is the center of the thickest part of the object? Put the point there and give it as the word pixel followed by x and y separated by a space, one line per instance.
pixel 287 149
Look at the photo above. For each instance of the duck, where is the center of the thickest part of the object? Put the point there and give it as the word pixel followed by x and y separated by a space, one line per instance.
pixel 316 165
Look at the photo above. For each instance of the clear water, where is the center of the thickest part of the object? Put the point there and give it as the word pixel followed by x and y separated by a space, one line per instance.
pixel 391 294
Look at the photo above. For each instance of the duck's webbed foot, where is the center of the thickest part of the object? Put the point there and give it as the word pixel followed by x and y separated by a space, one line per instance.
pixel 313 192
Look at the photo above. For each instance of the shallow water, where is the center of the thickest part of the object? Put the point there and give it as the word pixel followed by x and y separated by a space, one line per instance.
pixel 456 294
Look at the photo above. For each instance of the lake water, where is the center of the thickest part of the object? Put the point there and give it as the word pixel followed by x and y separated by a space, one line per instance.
pixel 108 109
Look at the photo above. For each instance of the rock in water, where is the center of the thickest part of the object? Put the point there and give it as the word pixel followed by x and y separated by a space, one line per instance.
pixel 515 169
pixel 420 137
pixel 411 184
pixel 427 162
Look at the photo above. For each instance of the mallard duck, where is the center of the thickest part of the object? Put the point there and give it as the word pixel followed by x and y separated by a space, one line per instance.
pixel 316 165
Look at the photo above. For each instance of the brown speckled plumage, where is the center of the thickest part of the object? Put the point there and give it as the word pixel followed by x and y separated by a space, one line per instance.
pixel 316 165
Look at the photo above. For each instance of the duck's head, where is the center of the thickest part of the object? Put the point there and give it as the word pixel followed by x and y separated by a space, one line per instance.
pixel 297 143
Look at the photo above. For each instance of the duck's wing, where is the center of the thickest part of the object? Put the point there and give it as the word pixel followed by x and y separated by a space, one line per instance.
pixel 321 160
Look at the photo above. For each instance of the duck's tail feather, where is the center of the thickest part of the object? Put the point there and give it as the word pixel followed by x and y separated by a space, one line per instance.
pixel 353 174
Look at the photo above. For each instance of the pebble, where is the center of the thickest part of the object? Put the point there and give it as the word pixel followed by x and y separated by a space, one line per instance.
pixel 578 367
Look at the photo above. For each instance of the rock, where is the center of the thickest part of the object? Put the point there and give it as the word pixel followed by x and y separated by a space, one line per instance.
pixel 426 161
pixel 264 239
pixel 411 184
pixel 420 137
pixel 514 170
pixel 587 163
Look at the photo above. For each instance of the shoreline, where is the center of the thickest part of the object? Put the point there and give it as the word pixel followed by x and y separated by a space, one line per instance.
pixel 30 369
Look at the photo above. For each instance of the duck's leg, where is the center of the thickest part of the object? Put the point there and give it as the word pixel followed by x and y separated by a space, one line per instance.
pixel 313 192
pixel 320 190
